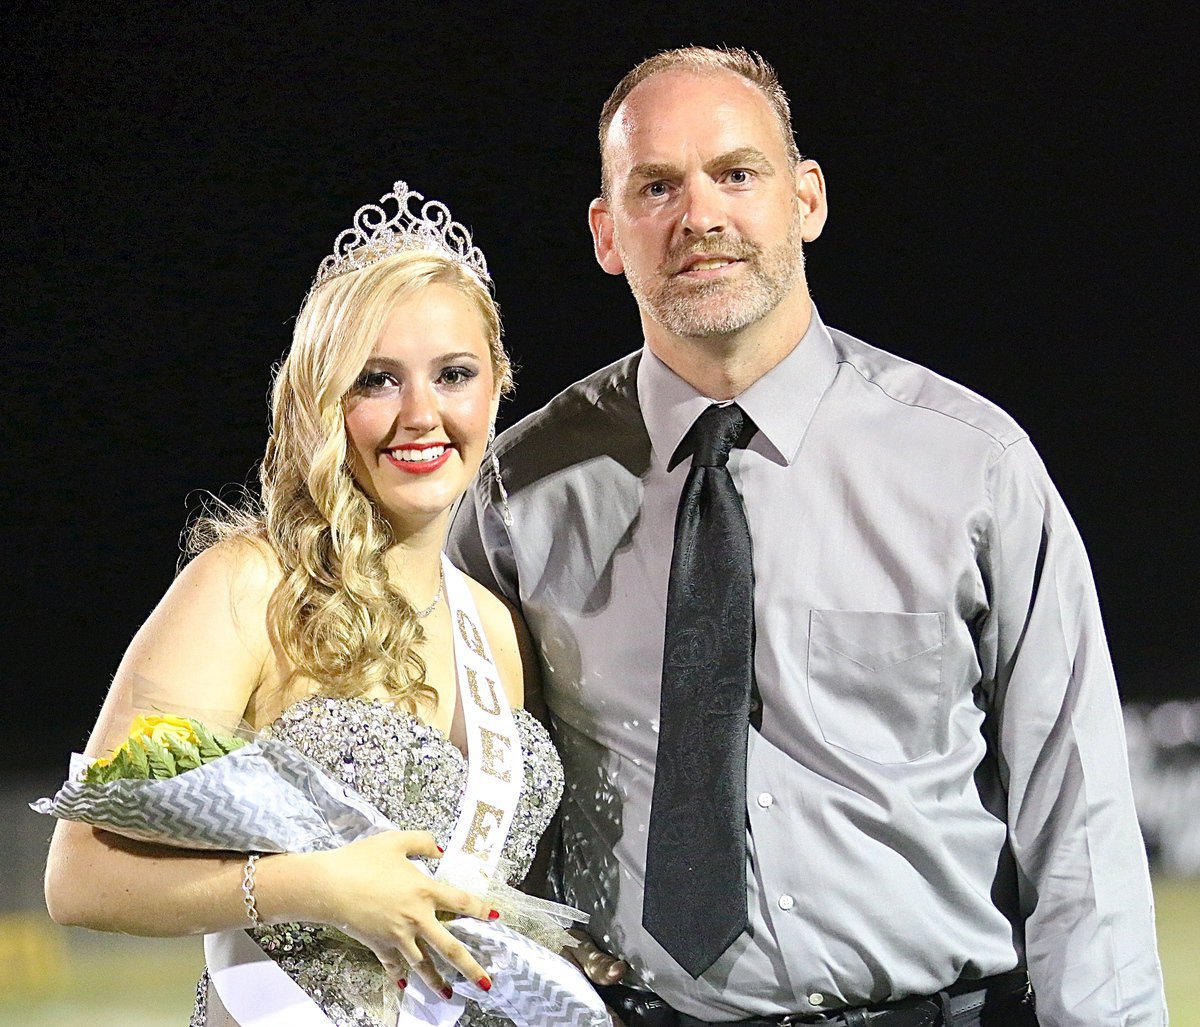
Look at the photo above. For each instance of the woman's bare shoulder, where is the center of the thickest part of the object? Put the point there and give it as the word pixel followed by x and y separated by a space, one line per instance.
pixel 244 561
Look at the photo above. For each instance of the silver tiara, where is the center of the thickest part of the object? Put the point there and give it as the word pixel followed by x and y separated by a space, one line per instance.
pixel 393 226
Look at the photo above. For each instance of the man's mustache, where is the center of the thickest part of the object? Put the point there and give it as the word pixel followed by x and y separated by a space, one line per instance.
pixel 733 247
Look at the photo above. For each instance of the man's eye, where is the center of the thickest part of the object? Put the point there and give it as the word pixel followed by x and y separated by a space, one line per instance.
pixel 740 176
pixel 656 189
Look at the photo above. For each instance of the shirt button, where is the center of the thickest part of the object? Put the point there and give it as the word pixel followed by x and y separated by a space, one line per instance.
pixel 816 998
pixel 765 799
pixel 786 902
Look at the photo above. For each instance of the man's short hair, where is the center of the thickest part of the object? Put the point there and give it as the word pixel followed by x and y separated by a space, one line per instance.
pixel 704 60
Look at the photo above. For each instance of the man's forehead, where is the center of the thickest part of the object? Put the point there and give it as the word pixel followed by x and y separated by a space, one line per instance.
pixel 660 102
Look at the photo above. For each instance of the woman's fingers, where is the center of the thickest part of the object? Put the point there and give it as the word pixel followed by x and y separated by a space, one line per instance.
pixel 423 966
pixel 456 954
pixel 419 843
pixel 405 923
pixel 398 969
pixel 455 900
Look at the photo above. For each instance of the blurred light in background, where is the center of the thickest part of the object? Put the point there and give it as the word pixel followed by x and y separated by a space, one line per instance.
pixel 1164 762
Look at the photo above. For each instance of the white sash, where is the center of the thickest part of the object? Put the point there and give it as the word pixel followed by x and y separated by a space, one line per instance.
pixel 252 987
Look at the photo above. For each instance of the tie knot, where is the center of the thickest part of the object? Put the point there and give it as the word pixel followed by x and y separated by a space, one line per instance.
pixel 715 433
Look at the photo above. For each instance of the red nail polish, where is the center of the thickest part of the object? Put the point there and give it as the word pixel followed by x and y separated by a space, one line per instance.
pixel 401 983
pixel 493 914
pixel 439 848
pixel 485 984
pixel 447 993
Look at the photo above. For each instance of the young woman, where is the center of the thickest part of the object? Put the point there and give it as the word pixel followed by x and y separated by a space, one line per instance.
pixel 323 619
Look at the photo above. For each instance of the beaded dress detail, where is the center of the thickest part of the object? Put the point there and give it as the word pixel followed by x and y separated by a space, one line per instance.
pixel 416 778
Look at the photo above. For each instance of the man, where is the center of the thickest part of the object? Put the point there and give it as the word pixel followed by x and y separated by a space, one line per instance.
pixel 930 766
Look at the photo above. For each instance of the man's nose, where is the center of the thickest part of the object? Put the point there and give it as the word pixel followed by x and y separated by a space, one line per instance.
pixel 704 208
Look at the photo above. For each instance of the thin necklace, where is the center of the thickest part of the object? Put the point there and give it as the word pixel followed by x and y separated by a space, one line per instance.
pixel 437 597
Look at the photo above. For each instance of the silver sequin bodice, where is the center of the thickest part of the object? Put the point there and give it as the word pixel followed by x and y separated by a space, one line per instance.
pixel 416 777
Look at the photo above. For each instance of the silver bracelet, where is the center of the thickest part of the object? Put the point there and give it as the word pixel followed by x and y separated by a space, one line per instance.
pixel 248 890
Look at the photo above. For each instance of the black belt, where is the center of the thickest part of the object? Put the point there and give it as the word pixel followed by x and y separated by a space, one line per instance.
pixel 961 1002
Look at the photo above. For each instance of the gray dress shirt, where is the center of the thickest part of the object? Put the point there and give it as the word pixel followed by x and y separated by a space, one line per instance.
pixel 939 786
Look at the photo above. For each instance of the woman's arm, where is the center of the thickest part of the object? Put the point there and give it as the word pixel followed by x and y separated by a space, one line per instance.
pixel 204 652
pixel 201 653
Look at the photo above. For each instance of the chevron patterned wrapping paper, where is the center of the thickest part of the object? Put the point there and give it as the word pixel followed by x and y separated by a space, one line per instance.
pixel 264 797
pixel 531 985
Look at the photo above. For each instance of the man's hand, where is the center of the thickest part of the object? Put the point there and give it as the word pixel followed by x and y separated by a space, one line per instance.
pixel 598 966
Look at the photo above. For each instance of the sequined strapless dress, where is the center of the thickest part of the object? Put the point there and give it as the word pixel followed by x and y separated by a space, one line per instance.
pixel 416 777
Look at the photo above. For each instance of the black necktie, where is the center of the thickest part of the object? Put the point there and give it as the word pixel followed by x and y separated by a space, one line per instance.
pixel 695 893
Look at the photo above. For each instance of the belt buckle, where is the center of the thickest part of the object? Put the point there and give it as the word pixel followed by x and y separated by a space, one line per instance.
pixel 650 1012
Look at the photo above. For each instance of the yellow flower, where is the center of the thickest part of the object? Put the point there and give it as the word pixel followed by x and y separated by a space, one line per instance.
pixel 155 728
pixel 158 728
pixel 160 746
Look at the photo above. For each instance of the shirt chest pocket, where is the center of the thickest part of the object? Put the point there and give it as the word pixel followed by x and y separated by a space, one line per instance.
pixel 875 682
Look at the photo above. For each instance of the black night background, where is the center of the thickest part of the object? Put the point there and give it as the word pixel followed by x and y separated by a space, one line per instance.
pixel 1012 192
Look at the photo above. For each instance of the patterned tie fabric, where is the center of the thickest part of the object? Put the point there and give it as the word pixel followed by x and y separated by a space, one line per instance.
pixel 695 892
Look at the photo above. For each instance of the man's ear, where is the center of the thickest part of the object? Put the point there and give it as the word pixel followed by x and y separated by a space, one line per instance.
pixel 814 204
pixel 601 223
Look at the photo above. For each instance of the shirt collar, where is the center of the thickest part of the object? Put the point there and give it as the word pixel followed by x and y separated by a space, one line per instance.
pixel 781 403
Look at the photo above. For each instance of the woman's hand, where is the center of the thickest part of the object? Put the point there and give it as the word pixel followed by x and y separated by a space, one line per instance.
pixel 371 890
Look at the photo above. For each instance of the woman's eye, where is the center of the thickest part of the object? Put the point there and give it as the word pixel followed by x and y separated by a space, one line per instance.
pixel 374 381
pixel 456 375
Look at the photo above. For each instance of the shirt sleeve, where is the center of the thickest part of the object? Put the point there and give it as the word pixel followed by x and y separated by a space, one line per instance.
pixel 1083 880
pixel 478 543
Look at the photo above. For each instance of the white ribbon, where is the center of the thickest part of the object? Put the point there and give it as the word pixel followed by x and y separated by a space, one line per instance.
pixel 494 773
pixel 251 985
pixel 494 765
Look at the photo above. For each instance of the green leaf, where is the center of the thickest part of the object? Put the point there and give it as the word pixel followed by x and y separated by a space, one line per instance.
pixel 187 756
pixel 95 773
pixel 209 748
pixel 230 743
pixel 135 761
pixel 162 763
pixel 119 769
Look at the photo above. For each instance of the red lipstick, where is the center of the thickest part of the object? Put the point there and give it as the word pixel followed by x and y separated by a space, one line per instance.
pixel 420 465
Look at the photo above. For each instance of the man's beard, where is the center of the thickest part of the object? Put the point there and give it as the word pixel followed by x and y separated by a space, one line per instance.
pixel 707 309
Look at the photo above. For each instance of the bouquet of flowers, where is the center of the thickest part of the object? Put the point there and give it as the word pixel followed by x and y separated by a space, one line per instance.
pixel 159 748
pixel 176 783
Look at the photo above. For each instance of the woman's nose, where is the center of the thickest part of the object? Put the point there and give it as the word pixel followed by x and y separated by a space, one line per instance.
pixel 418 409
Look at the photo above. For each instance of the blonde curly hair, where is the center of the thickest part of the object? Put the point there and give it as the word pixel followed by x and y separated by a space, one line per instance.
pixel 334 613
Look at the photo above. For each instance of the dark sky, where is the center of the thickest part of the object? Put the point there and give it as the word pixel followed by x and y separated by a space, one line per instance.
pixel 1012 204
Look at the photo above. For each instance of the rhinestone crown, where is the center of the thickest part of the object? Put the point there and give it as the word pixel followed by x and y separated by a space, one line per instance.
pixel 401 221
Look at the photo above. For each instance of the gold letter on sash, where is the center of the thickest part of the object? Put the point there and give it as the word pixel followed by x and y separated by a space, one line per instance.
pixel 487 818
pixel 492 706
pixel 470 635
pixel 495 754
